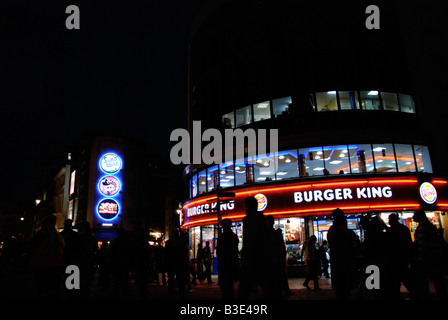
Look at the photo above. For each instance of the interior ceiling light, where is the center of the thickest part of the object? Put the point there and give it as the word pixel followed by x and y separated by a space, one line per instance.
pixel 373 93
pixel 262 105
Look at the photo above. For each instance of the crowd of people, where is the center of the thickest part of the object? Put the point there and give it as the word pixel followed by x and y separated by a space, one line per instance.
pixel 259 270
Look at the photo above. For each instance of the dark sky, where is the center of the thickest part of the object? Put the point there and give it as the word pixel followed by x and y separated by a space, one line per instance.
pixel 124 72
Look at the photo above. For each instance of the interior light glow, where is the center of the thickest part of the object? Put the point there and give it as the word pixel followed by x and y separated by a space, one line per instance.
pixel 372 93
pixel 331 92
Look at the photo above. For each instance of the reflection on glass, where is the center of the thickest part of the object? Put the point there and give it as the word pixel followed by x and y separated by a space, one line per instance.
pixel 264 167
pixel 384 157
pixel 281 106
pixel 405 158
pixel 348 100
pixel 243 116
pixel 212 178
pixel 370 100
pixel 314 161
pixel 228 120
pixel 226 174
pixel 262 111
pixel 361 159
pixel 423 159
pixel 336 159
pixel 326 101
pixel 287 164
pixel 406 103
pixel 390 101
pixel 202 182
pixel 194 186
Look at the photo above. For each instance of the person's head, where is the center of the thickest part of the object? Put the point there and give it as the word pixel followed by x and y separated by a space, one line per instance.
pixel 313 239
pixel 270 221
pixel 226 224
pixel 419 216
pixel 207 243
pixel 393 219
pixel 338 216
pixel 49 222
pixel 251 204
pixel 68 224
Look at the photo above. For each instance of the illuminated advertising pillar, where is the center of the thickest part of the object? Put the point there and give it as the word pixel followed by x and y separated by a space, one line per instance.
pixel 109 190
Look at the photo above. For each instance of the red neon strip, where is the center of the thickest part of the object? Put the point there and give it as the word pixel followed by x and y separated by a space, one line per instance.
pixel 439 181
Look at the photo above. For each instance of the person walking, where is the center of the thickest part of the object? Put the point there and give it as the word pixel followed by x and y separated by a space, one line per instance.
pixel 312 261
pixel 228 265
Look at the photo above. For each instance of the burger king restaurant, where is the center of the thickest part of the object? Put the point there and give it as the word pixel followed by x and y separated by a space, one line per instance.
pixel 303 208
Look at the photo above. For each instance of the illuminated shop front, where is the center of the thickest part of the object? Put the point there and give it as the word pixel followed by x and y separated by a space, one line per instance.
pixel 303 207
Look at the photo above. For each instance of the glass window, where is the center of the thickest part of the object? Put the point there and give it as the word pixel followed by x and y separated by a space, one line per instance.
pixel 287 164
pixel 405 158
pixel 227 174
pixel 423 159
pixel 228 120
pixel 361 159
pixel 390 101
pixel 264 167
pixel 406 103
pixel 244 172
pixel 262 111
pixel 293 230
pixel 243 116
pixel 202 182
pixel 281 106
pixel 348 100
pixel 336 159
pixel 195 238
pixel 212 178
pixel 370 100
pixel 326 101
pixel 194 186
pixel 313 161
pixel 208 233
pixel 384 157
pixel 312 101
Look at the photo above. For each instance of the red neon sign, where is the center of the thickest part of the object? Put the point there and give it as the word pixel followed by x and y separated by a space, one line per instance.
pixel 320 197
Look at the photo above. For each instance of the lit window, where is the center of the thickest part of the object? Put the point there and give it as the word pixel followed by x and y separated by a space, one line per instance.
pixel 390 101
pixel 406 103
pixel 361 159
pixel 348 100
pixel 384 158
pixel 326 101
pixel 287 164
pixel 262 111
pixel 313 161
pixel 405 158
pixel 281 106
pixel 370 100
pixel 423 159
pixel 243 116
pixel 212 178
pixel 226 174
pixel 336 159
pixel 228 120
pixel 202 182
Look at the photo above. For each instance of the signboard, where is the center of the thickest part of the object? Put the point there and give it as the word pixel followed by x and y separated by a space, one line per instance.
pixel 109 186
pixel 313 197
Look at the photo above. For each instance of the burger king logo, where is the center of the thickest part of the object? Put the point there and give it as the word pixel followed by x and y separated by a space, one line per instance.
pixel 428 192
pixel 262 201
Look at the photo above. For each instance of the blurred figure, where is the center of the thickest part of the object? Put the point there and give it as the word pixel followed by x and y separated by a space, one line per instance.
pixel 313 262
pixel 343 243
pixel 428 257
pixel 47 259
pixel 227 252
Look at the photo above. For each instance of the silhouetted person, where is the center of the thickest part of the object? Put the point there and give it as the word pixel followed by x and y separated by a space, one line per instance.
pixel 228 265
pixel 254 251
pixel 377 250
pixel 142 259
pixel 400 258
pixel 73 251
pixel 322 254
pixel 177 263
pixel 104 266
pixel 200 262
pixel 208 260
pixel 88 252
pixel 428 257
pixel 160 265
pixel 342 243
pixel 310 255
pixel 47 259
pixel 278 277
pixel 120 252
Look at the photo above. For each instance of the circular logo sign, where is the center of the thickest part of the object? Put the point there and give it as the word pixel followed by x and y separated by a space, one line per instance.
pixel 108 209
pixel 109 186
pixel 428 193
pixel 110 163
pixel 262 201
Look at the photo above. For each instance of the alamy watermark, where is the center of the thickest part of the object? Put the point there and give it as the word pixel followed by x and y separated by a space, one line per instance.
pixel 235 144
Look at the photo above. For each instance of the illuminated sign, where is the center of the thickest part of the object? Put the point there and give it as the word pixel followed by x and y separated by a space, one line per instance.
pixel 108 194
pixel 108 209
pixel 262 201
pixel 109 185
pixel 428 192
pixel 72 182
pixel 110 163
pixel 313 197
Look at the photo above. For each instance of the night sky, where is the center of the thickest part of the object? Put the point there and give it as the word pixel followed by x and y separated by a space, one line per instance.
pixel 125 73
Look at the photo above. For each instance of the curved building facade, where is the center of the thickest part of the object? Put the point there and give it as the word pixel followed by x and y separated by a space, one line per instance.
pixel 350 131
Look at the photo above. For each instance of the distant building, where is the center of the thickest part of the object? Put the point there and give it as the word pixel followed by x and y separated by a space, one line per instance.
pixel 112 182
